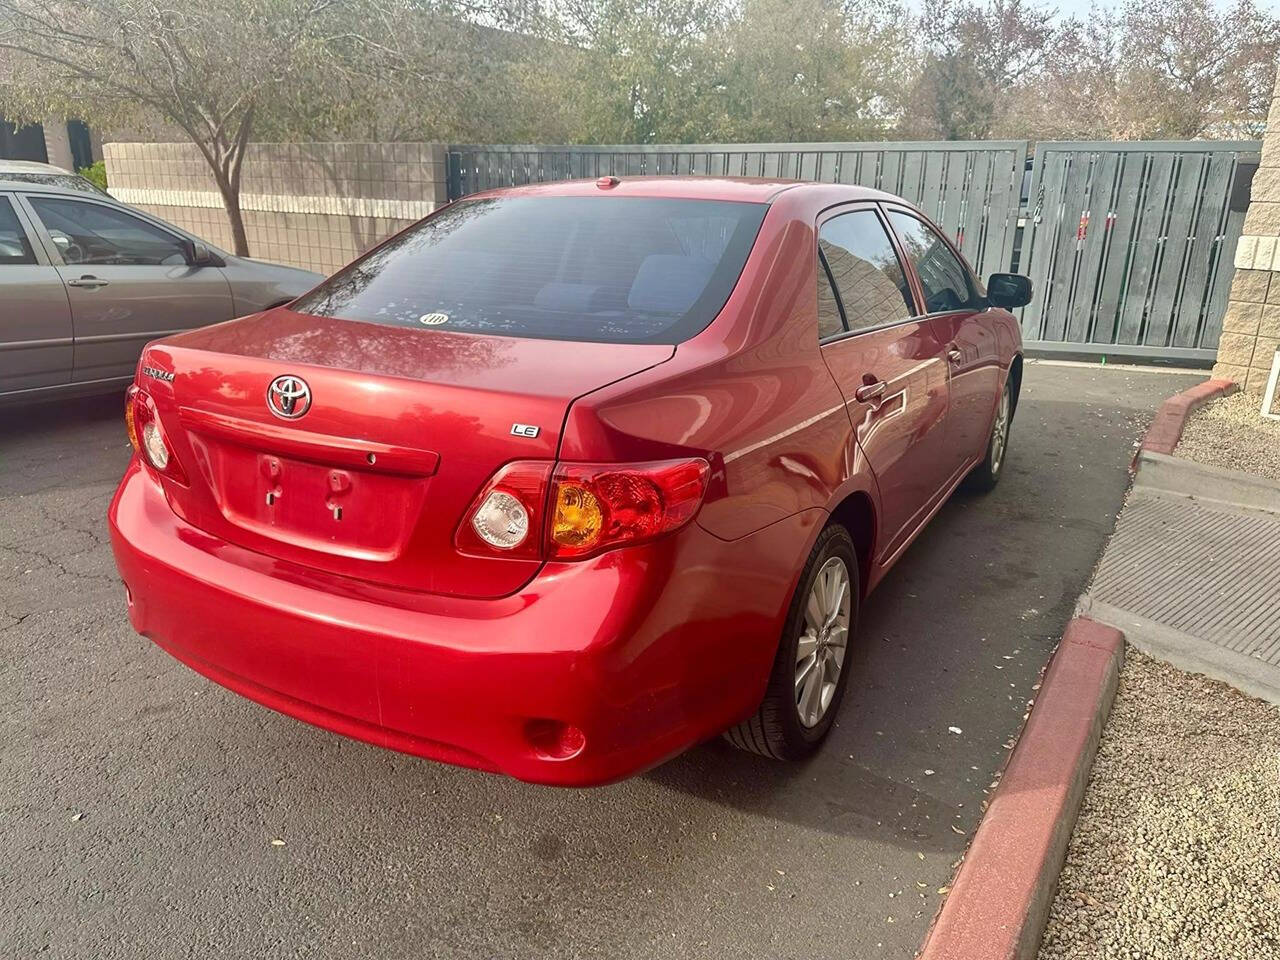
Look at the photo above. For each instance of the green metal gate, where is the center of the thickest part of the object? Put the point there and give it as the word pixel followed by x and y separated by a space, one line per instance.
pixel 1130 245
pixel 970 189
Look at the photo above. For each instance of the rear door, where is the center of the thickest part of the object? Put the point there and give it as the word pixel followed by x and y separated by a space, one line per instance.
pixel 128 281
pixel 35 318
pixel 887 362
pixel 957 307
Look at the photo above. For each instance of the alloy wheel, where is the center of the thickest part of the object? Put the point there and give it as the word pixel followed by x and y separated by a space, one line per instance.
pixel 821 649
pixel 1000 432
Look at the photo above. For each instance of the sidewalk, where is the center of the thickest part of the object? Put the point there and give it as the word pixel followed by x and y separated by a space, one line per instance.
pixel 1192 574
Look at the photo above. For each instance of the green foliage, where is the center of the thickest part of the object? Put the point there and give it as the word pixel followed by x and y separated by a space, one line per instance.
pixel 95 173
pixel 223 72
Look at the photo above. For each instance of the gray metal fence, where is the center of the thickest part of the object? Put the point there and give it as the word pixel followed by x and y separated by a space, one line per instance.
pixel 1130 245
pixel 970 189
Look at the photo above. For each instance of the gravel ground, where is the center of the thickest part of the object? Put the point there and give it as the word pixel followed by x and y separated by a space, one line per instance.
pixel 1177 850
pixel 1231 433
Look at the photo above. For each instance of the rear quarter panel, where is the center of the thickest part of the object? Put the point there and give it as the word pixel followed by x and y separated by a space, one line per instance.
pixel 750 393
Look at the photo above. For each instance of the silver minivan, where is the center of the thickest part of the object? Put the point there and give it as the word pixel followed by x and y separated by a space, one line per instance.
pixel 86 281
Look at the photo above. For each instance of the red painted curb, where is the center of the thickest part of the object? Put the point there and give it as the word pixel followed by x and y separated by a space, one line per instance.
pixel 999 901
pixel 1166 429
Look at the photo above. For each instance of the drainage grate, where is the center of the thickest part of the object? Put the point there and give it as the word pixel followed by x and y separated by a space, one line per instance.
pixel 1211 573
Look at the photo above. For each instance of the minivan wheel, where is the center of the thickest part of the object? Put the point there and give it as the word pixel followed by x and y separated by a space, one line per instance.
pixel 987 474
pixel 810 671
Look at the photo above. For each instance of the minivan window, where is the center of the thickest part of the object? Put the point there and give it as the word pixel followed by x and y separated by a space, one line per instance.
pixel 610 269
pixel 864 265
pixel 15 248
pixel 944 278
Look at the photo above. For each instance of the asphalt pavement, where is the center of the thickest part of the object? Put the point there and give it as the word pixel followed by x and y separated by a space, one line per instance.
pixel 147 813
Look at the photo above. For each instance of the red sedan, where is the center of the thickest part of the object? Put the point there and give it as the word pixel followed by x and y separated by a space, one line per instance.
pixel 566 478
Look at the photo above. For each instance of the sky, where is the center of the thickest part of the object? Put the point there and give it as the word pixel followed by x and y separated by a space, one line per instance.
pixel 1080 8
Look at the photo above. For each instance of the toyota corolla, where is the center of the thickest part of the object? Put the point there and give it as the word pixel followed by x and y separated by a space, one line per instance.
pixel 567 478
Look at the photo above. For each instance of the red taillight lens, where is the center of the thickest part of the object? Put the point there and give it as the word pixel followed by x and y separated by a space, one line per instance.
pixel 596 506
pixel 592 507
pixel 506 518
pixel 147 436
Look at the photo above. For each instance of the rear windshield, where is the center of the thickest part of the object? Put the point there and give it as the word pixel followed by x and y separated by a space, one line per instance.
pixel 612 269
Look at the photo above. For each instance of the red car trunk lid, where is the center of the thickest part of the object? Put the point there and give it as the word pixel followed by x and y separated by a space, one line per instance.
pixel 402 430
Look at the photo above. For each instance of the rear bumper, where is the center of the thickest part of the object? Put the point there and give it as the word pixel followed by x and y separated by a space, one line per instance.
pixel 645 650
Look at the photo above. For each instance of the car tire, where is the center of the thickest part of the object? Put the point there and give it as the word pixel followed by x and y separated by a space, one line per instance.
pixel 780 729
pixel 986 475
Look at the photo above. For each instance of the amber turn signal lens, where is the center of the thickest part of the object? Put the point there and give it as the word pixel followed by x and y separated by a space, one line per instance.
pixel 578 520
pixel 130 421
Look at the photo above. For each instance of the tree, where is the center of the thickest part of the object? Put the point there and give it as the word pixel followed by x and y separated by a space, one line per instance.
pixel 975 58
pixel 1075 94
pixel 1190 70
pixel 805 70
pixel 639 69
pixel 1161 69
pixel 222 70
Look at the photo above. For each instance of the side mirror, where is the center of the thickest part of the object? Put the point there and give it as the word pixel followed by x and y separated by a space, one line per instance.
pixel 1008 290
pixel 199 255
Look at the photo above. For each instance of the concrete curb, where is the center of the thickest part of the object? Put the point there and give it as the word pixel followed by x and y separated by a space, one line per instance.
pixel 1166 429
pixel 1187 652
pixel 999 902
pixel 1159 473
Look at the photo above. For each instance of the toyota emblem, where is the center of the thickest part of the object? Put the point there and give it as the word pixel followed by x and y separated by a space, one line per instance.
pixel 289 397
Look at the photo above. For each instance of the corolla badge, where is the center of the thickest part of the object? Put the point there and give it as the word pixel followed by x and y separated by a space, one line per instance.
pixel 289 397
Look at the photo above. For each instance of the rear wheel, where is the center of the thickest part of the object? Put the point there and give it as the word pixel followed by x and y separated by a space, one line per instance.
pixel 809 676
pixel 987 474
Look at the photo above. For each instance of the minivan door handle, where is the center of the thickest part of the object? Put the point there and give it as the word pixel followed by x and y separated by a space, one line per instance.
pixel 88 281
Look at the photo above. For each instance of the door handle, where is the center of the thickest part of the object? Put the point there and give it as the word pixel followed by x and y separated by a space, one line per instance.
pixel 869 392
pixel 954 355
pixel 89 282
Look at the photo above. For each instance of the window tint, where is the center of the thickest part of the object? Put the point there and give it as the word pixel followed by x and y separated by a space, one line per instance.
pixel 15 248
pixel 93 233
pixel 866 271
pixel 944 278
pixel 612 269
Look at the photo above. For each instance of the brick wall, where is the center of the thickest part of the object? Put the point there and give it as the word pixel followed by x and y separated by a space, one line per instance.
pixel 1251 324
pixel 312 205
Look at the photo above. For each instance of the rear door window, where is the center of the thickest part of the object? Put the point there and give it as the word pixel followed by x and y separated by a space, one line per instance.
pixel 611 269
pixel 15 248
pixel 830 323
pixel 945 279
pixel 857 252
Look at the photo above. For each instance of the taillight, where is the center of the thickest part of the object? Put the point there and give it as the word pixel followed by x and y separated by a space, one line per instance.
pixel 596 506
pixel 130 422
pixel 147 435
pixel 589 508
pixel 506 519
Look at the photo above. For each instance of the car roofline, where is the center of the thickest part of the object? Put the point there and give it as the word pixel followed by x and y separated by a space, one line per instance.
pixel 762 190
